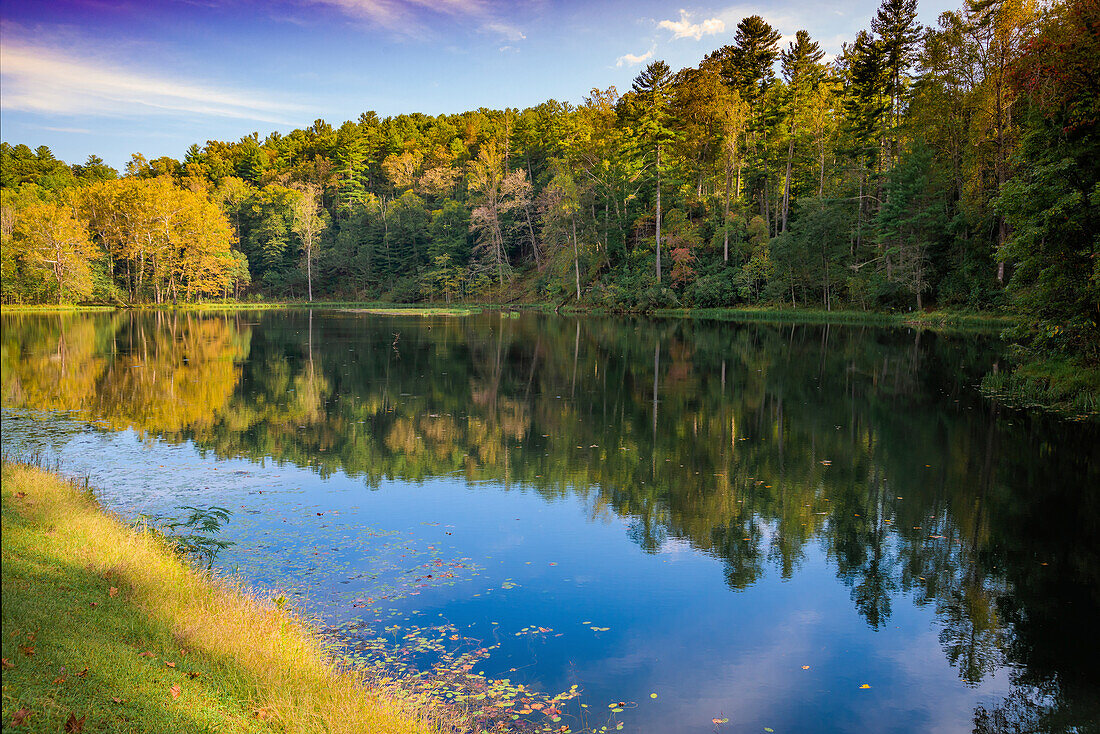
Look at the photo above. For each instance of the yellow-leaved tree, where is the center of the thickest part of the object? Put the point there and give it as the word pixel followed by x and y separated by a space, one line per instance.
pixel 53 243
pixel 166 242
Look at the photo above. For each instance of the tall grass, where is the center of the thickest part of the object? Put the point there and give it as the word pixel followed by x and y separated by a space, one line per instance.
pixel 104 623
pixel 1057 385
pixel 928 319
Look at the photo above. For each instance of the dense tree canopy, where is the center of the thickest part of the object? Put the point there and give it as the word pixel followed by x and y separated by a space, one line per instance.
pixel 952 165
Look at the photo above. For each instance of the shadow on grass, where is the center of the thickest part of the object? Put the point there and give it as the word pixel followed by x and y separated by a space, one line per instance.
pixel 76 649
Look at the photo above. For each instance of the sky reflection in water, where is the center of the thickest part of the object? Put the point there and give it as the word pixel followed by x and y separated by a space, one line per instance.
pixel 731 502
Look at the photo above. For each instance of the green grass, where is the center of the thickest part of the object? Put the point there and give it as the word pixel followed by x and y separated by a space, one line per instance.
pixel 927 319
pixel 417 310
pixel 48 308
pixel 103 624
pixel 1059 385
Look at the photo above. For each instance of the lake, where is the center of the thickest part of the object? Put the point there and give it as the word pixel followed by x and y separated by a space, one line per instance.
pixel 610 523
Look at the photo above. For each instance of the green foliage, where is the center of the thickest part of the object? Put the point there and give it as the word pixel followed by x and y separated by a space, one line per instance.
pixel 921 167
pixel 1053 203
pixel 192 535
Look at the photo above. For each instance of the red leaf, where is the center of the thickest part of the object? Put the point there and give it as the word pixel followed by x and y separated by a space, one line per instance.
pixel 74 724
pixel 175 691
pixel 19 717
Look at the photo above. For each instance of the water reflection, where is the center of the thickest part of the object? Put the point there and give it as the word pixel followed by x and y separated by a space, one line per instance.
pixel 754 444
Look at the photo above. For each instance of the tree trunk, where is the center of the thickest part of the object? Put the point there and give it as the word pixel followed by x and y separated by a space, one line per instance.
pixel 787 181
pixel 726 219
pixel 576 260
pixel 309 270
pixel 658 213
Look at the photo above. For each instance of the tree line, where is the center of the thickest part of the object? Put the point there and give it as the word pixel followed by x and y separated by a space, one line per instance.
pixel 952 165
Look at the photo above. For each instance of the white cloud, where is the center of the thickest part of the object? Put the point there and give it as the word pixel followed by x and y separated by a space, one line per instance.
pixel 405 17
pixel 75 130
pixel 684 28
pixel 398 14
pixel 505 30
pixel 633 59
pixel 52 81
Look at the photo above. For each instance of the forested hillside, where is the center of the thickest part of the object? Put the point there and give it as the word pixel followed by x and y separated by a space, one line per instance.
pixel 953 165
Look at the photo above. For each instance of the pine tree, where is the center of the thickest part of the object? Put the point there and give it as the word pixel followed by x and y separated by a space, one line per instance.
pixel 898 30
pixel 653 90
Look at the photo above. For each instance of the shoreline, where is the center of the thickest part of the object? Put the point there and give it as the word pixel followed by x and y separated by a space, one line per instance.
pixel 104 625
pixel 924 320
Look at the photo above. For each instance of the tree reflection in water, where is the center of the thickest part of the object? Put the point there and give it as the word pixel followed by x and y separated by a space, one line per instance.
pixel 748 442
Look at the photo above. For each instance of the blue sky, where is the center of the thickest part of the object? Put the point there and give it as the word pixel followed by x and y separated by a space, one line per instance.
pixel 114 77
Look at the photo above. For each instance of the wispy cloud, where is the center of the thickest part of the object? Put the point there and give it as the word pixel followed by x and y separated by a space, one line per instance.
pixel 634 59
pixel 406 17
pixel 398 14
pixel 508 31
pixel 76 130
pixel 49 80
pixel 684 28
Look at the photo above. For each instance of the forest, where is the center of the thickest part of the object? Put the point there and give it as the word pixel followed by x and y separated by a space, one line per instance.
pixel 952 166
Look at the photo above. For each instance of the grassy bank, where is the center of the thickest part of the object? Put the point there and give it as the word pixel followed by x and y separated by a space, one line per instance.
pixel 1062 386
pixel 104 625
pixel 46 308
pixel 925 319
pixel 928 319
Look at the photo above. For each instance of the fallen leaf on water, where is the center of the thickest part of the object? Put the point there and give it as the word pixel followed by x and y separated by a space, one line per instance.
pixel 768 728
pixel 73 724
pixel 653 695
pixel 113 591
pixel 805 667
pixel 866 685
pixel 19 717
pixel 175 691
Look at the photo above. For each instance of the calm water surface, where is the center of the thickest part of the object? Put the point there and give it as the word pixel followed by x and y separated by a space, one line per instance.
pixel 785 528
